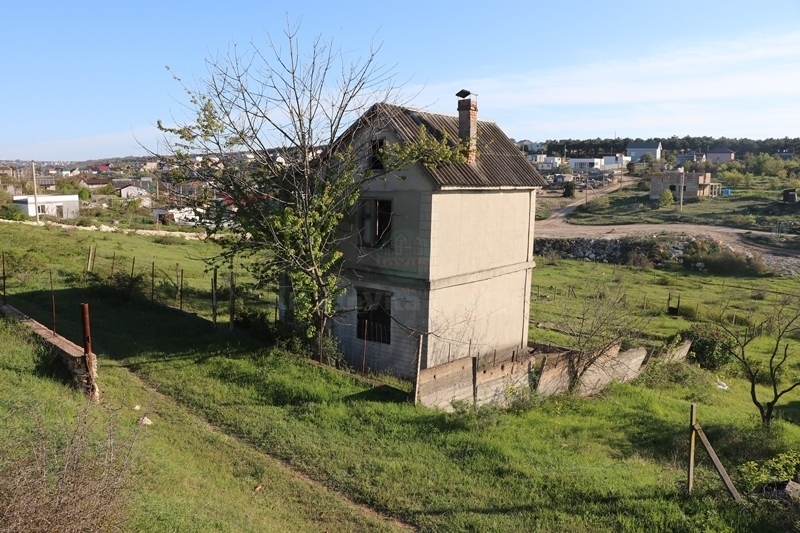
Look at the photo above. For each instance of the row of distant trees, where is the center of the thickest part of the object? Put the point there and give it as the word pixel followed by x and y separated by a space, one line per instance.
pixel 674 144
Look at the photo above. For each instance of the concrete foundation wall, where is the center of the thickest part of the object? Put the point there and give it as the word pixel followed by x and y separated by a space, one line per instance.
pixel 456 381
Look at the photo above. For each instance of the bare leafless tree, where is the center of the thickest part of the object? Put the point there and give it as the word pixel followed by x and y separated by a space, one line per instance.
pixel 597 321
pixel 265 141
pixel 782 321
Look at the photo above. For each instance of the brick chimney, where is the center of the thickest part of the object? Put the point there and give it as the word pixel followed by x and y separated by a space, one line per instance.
pixel 468 126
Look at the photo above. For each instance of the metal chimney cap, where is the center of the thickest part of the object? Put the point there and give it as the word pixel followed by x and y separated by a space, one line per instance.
pixel 463 93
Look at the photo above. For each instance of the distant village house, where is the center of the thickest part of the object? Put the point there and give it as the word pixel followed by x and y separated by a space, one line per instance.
pixel 720 155
pixel 54 205
pixel 636 150
pixel 695 185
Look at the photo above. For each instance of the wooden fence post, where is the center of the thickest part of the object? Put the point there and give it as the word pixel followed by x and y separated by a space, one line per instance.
pixel 152 281
pixel 113 260
pixel 180 292
pixel 133 266
pixel 4 278
pixel 692 422
pixel 364 350
pixel 214 299
pixel 698 430
pixel 53 301
pixel 475 381
pixel 419 365
pixel 232 301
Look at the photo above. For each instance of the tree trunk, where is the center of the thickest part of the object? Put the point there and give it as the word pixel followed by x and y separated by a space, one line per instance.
pixel 319 333
pixel 766 415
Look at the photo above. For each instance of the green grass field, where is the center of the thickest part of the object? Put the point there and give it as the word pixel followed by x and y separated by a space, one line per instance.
pixel 753 208
pixel 612 463
pixel 187 476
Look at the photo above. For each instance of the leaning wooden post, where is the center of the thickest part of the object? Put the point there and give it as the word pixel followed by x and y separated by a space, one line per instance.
pixel 232 300
pixel 88 355
pixel 113 260
pixel 419 365
pixel 180 292
pixel 693 434
pixel 214 299
pixel 133 266
pixel 152 281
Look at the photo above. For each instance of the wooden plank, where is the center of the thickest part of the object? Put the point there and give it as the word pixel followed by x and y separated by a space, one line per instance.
pixel 492 373
pixel 717 464
pixel 448 382
pixel 440 371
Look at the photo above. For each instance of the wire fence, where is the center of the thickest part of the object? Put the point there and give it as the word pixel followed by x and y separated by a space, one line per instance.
pixel 221 295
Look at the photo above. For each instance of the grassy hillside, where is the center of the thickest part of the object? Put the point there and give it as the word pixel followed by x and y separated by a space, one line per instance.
pixel 185 475
pixel 612 463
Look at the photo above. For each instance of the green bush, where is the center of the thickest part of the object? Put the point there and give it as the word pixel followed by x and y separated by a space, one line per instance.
pixel 666 200
pixel 543 211
pixel 711 346
pixel 169 240
pixel 781 467
pixel 84 194
pixel 569 189
pixel 729 263
pixel 12 212
pixel 597 204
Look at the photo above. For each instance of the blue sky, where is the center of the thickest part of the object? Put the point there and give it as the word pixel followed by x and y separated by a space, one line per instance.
pixel 87 80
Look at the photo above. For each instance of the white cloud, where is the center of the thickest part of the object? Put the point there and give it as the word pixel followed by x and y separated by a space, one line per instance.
pixel 748 86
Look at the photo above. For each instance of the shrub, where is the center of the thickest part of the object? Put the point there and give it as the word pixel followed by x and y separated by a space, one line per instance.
pixel 84 194
pixel 168 240
pixel 666 199
pixel 569 189
pixel 72 479
pixel 729 263
pixel 638 259
pixel 711 346
pixel 12 212
pixel 543 211
pixel 597 204
pixel 781 467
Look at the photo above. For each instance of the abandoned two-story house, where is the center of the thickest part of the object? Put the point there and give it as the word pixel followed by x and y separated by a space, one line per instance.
pixel 694 184
pixel 439 260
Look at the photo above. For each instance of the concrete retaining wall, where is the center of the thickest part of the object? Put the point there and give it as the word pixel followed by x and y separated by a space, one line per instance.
pixel 82 368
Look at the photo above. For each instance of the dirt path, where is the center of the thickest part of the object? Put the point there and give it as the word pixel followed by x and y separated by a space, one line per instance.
pixel 111 229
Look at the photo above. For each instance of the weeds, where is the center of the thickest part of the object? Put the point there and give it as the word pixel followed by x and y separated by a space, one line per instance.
pixel 73 478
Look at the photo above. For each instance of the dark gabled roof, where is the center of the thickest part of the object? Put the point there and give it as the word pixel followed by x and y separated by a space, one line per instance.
pixel 499 162
pixel 720 150
pixel 643 145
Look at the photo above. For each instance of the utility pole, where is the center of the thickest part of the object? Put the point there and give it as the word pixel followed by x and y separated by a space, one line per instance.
pixel 683 182
pixel 35 196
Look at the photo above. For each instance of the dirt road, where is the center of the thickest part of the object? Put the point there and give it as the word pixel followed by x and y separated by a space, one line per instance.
pixel 780 260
